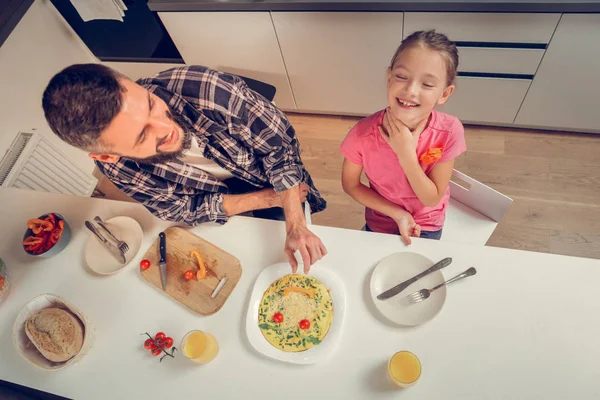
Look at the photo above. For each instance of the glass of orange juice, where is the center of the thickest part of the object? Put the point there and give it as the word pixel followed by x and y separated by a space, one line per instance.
pixel 200 347
pixel 404 369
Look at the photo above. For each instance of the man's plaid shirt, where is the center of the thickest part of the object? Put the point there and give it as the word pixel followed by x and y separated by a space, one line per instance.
pixel 235 127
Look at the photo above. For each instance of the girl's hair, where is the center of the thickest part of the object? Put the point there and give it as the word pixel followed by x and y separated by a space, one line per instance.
pixel 434 41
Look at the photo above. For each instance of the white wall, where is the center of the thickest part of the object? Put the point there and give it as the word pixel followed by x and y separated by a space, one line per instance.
pixel 41 45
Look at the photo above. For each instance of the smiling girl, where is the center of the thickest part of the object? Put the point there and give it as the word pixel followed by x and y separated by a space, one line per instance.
pixel 407 150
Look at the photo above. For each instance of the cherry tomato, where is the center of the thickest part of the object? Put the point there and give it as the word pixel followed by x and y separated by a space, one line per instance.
pixel 168 342
pixel 278 317
pixel 148 344
pixel 159 336
pixel 188 275
pixel 145 264
pixel 156 352
pixel 304 324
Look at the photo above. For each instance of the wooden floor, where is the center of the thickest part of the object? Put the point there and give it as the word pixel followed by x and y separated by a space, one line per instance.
pixel 553 178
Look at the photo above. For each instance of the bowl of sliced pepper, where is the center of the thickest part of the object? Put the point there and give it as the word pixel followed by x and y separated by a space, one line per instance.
pixel 46 236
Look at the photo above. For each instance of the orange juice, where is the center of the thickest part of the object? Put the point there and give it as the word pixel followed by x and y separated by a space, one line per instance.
pixel 199 346
pixel 404 369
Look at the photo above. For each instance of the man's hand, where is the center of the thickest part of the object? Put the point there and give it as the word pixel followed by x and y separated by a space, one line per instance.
pixel 311 249
pixel 298 236
pixel 400 138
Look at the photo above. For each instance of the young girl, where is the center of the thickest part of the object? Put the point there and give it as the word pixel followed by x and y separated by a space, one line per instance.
pixel 407 150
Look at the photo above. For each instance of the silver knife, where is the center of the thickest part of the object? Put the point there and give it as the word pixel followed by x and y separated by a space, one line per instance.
pixel 162 247
pixel 114 250
pixel 400 287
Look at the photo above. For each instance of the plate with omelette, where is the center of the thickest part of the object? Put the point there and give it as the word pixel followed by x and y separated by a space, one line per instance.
pixel 295 317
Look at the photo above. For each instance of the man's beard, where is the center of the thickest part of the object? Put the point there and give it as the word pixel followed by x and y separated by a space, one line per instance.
pixel 163 157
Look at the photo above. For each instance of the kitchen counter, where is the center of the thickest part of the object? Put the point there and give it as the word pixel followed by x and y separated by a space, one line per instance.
pixel 525 320
pixel 517 6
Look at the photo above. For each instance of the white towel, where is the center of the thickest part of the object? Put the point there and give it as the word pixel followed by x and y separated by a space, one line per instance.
pixel 99 9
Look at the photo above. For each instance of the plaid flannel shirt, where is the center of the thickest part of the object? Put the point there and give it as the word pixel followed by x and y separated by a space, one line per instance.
pixel 235 127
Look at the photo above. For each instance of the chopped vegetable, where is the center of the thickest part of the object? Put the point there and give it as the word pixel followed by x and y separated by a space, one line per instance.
pixel 293 289
pixel 39 225
pixel 201 274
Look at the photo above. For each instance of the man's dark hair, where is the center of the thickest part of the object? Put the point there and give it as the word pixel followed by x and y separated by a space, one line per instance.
pixel 81 101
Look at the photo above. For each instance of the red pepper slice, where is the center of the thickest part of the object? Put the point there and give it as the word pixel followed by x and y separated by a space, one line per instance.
pixel 32 240
pixel 39 225
pixel 55 236
pixel 52 219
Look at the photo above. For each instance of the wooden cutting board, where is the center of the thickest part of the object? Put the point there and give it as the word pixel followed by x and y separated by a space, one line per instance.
pixel 193 294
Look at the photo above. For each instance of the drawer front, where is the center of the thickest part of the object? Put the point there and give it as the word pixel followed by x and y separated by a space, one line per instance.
pixel 499 60
pixel 486 99
pixel 485 27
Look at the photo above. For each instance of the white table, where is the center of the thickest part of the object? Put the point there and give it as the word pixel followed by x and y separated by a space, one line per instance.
pixel 525 327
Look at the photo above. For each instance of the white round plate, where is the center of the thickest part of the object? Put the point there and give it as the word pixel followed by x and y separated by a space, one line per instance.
pixel 316 353
pixel 397 268
pixel 99 259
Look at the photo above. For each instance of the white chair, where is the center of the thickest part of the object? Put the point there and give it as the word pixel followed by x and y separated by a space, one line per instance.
pixel 474 210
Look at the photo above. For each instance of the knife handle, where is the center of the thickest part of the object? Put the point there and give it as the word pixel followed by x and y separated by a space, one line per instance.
pixel 162 247
pixel 438 265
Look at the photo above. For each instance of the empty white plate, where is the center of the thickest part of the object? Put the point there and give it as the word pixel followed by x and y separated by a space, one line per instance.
pixel 99 259
pixel 314 354
pixel 397 268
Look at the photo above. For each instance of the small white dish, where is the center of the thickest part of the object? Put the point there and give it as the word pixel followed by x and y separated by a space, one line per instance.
pixel 27 349
pixel 99 259
pixel 397 268
pixel 329 343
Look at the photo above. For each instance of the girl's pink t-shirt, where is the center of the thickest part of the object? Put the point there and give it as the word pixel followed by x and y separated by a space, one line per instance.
pixel 364 146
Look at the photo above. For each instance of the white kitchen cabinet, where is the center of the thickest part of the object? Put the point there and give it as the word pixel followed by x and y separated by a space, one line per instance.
pixel 566 89
pixel 242 43
pixel 486 100
pixel 337 61
pixel 485 27
pixel 499 60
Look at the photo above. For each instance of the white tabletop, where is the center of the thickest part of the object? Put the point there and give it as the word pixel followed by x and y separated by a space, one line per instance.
pixel 527 326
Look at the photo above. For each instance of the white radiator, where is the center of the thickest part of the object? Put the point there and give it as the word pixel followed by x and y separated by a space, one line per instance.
pixel 33 163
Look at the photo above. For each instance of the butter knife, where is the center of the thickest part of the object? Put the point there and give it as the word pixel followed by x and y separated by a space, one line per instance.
pixel 162 247
pixel 114 250
pixel 400 287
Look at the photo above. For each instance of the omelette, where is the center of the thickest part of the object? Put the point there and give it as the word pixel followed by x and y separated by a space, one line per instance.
pixel 295 313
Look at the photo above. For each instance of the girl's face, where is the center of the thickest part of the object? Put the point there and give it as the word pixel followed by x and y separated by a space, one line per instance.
pixel 416 83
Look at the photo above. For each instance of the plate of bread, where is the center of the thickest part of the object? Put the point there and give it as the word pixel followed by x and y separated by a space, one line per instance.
pixel 51 333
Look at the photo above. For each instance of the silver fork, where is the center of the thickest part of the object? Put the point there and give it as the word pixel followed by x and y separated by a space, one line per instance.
pixel 424 294
pixel 120 244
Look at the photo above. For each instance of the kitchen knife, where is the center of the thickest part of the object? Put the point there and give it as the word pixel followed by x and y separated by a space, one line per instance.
pixel 162 247
pixel 114 250
pixel 400 287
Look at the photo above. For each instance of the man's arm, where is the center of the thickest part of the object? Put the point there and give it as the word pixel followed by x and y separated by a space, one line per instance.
pixel 234 204
pixel 273 140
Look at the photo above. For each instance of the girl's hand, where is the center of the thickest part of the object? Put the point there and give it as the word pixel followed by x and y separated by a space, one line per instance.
pixel 400 138
pixel 408 227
